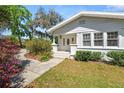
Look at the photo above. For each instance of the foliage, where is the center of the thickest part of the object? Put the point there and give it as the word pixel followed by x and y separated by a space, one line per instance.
pixel 14 39
pixel 9 65
pixel 31 25
pixel 83 55
pixel 39 46
pixel 17 16
pixel 95 56
pixel 87 56
pixel 44 58
pixel 117 56
pixel 4 16
pixel 46 20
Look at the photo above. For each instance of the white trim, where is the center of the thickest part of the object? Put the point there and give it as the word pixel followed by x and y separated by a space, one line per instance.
pixel 92 39
pixel 88 14
pixel 80 44
pixel 119 39
pixel 105 39
pixel 101 48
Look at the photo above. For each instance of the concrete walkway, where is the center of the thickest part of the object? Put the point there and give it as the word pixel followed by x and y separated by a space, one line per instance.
pixel 32 69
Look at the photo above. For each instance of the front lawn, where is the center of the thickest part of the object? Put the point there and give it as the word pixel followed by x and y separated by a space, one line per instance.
pixel 81 74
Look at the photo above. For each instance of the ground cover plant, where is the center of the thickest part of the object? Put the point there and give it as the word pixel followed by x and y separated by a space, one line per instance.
pixel 9 65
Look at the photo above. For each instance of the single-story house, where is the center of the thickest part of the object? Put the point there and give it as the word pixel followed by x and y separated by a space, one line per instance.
pixel 99 31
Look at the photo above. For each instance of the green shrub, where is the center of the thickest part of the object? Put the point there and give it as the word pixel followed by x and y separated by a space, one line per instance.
pixel 87 56
pixel 38 46
pixel 95 56
pixel 83 55
pixel 119 63
pixel 117 57
pixel 44 58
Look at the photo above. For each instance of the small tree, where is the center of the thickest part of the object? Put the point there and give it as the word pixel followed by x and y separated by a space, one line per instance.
pixel 19 16
pixel 15 18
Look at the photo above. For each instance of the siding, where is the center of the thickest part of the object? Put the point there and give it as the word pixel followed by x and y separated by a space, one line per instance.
pixel 93 24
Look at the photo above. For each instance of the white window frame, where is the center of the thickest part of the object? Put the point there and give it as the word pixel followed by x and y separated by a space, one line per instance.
pixel 80 44
pixel 98 39
pixel 113 39
pixel 88 40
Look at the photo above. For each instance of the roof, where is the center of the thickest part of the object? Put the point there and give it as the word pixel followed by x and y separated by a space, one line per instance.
pixel 88 14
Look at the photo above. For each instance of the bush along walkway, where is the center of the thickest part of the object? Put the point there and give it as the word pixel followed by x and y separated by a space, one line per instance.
pixel 32 69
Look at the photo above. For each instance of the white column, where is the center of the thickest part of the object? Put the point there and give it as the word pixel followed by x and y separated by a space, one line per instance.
pixel 119 39
pixel 73 49
pixel 105 39
pixel 53 40
pixel 92 39
pixel 54 45
pixel 79 39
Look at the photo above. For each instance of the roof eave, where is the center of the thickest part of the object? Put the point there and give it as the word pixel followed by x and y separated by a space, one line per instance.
pixel 88 14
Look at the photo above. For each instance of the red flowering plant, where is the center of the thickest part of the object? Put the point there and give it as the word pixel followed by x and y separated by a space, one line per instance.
pixel 9 65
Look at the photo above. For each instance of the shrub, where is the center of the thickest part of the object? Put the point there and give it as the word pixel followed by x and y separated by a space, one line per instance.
pixel 87 56
pixel 38 46
pixel 117 56
pixel 9 65
pixel 44 58
pixel 83 55
pixel 95 56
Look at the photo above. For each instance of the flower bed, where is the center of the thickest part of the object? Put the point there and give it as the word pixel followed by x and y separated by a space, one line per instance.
pixel 9 65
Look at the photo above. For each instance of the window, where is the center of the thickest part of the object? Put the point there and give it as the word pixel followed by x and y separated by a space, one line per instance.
pixel 86 40
pixel 63 41
pixel 68 41
pixel 72 40
pixel 98 39
pixel 112 39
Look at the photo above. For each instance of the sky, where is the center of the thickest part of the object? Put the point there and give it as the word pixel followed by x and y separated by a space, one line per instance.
pixel 69 10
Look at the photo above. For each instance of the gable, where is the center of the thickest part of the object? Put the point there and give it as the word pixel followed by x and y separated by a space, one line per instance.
pixel 107 15
pixel 90 24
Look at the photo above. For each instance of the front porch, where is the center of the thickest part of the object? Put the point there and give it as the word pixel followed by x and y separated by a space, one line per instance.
pixel 64 46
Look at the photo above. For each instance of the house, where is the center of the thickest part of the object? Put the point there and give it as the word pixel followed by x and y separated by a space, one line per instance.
pixel 95 31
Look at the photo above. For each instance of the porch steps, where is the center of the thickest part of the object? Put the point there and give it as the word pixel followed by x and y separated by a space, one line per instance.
pixel 61 54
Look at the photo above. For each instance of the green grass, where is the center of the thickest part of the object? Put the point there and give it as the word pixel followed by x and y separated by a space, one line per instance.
pixel 81 74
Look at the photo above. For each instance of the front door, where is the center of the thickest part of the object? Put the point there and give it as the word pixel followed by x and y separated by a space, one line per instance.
pixel 65 41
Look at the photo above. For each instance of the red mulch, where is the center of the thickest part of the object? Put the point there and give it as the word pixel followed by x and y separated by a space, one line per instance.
pixel 31 56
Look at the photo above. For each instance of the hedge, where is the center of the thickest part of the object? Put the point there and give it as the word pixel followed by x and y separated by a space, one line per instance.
pixel 87 56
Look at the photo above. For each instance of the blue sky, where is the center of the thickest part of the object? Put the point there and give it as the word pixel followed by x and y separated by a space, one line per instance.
pixel 68 10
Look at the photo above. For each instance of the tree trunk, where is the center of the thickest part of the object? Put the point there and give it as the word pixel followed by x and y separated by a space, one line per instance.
pixel 20 42
pixel 45 34
pixel 30 36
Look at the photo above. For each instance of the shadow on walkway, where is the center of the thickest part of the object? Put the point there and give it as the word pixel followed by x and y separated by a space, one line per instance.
pixel 18 80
